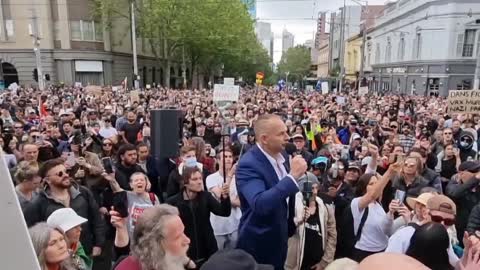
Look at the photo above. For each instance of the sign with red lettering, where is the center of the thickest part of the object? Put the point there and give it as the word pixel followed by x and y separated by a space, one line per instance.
pixel 463 101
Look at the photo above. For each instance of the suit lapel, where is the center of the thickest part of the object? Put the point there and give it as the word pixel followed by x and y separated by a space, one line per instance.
pixel 272 175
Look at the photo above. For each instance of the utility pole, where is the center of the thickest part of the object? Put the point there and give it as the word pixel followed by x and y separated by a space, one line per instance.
pixel 136 83
pixel 184 68
pixel 342 47
pixel 364 39
pixel 476 81
pixel 36 47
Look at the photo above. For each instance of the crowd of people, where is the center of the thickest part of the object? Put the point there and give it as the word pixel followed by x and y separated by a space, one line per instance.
pixel 370 176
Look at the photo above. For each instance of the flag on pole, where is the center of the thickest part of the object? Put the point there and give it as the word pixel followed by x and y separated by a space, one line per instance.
pixel 125 83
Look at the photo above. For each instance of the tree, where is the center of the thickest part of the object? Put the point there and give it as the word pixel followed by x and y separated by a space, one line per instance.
pixel 297 62
pixel 210 34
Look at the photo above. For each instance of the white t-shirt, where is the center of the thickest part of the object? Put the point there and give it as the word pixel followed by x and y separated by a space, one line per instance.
pixel 374 234
pixel 224 225
pixel 108 132
pixel 400 241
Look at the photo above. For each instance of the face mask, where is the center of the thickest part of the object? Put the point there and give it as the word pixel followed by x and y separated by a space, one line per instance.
pixel 77 126
pixel 464 144
pixel 191 162
pixel 243 139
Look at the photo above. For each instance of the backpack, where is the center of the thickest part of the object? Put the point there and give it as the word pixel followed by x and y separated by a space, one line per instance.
pixel 347 238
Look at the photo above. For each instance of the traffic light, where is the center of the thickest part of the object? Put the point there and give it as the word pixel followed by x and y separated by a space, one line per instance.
pixel 35 75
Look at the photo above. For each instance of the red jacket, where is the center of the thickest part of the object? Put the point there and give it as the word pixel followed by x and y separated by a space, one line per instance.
pixel 129 263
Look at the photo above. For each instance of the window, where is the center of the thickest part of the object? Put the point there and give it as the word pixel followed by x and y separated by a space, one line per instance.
pixel 401 49
pixel 469 42
pixel 76 30
pixel 87 30
pixel 417 46
pixel 56 30
pixel 369 53
pixel 377 54
pixel 10 32
pixel 355 56
pixel 388 51
pixel 98 31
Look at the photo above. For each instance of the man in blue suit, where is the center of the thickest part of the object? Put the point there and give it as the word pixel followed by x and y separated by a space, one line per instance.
pixel 267 193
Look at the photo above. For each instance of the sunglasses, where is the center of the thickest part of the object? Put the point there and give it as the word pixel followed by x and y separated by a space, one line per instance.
pixel 393 126
pixel 447 133
pixel 60 173
pixel 446 221
pixel 18 127
pixel 107 144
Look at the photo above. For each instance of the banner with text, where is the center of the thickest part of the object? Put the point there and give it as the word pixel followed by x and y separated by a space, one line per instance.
pixel 464 101
pixel 222 92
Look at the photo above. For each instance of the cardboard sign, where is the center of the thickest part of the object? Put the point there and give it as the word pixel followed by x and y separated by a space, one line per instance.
pixel 94 90
pixel 363 90
pixel 134 96
pixel 223 92
pixel 463 101
pixel 340 100
pixel 324 88
pixel 228 81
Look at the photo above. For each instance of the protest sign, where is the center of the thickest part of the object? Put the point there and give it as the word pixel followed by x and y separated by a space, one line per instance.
pixel 463 101
pixel 363 90
pixel 340 100
pixel 134 96
pixel 94 90
pixel 324 88
pixel 223 92
pixel 228 81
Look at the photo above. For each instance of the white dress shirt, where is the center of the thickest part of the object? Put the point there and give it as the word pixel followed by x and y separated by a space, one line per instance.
pixel 277 164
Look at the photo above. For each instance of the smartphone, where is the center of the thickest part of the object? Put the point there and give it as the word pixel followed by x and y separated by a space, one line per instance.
pixel 400 196
pixel 70 159
pixel 120 206
pixel 107 165
pixel 395 158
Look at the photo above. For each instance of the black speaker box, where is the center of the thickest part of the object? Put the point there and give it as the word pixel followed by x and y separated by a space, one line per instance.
pixel 166 132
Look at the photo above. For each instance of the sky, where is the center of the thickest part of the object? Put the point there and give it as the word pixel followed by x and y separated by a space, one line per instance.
pixel 298 17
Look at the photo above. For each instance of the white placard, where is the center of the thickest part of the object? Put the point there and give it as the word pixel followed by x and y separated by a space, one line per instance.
pixel 223 92
pixel 19 252
pixel 78 85
pixel 363 90
pixel 13 87
pixel 324 88
pixel 228 81
pixel 340 100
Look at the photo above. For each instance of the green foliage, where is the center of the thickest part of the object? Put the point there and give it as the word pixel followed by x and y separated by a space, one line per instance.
pixel 297 62
pixel 213 33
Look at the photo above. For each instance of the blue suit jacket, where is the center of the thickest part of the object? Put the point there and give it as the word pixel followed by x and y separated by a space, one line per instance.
pixel 265 224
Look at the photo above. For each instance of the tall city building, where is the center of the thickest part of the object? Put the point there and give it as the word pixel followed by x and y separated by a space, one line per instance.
pixel 287 40
pixel 264 34
pixel 320 35
pixel 309 43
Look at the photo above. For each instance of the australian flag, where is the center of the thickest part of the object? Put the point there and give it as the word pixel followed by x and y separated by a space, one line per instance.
pixel 281 85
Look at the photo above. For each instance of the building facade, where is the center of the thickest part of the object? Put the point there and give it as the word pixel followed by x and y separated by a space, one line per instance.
pixel 264 33
pixel 287 40
pixel 353 58
pixel 323 55
pixel 424 47
pixel 74 47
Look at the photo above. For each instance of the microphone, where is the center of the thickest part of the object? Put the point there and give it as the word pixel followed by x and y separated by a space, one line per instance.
pixel 291 149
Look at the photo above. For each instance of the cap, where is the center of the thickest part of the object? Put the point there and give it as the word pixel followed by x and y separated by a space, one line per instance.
pixel 442 203
pixel 65 219
pixel 242 122
pixel 298 136
pixel 235 259
pixel 469 166
pixel 356 136
pixel 422 199
pixel 108 107
pixel 353 121
pixel 353 165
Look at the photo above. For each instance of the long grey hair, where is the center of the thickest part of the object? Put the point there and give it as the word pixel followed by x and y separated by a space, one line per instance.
pixel 148 235
pixel 40 235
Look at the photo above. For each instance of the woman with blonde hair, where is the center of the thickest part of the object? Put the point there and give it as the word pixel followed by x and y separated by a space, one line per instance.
pixel 50 247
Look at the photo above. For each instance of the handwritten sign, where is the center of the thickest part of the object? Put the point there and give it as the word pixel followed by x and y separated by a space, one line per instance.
pixel 134 96
pixel 464 101
pixel 324 88
pixel 94 90
pixel 223 92
pixel 363 90
pixel 229 81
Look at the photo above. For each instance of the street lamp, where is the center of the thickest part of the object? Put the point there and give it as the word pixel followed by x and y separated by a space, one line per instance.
pixel 286 78
pixel 364 38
